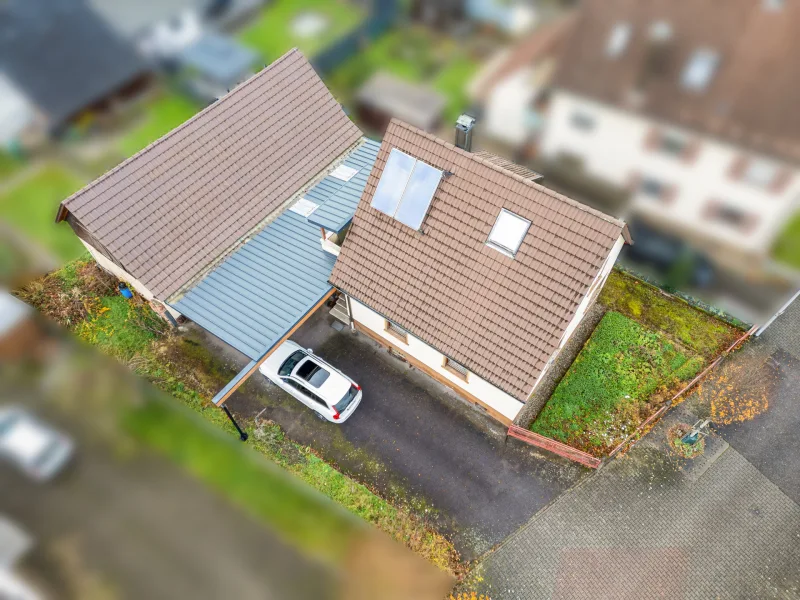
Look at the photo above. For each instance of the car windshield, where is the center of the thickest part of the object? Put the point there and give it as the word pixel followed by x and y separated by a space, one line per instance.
pixel 290 363
pixel 313 373
pixel 348 398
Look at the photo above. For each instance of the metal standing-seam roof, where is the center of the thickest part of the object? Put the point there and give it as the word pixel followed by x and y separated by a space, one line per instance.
pixel 257 294
pixel 500 317
pixel 339 207
pixel 169 211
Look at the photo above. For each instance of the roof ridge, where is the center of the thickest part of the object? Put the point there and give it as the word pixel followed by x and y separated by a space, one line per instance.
pixel 183 125
pixel 473 156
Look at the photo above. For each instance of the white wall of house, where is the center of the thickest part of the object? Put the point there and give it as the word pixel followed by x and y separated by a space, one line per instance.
pixel 123 275
pixel 615 148
pixel 484 391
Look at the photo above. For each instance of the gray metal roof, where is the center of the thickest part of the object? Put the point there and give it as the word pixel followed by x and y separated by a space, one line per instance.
pixel 338 198
pixel 257 294
pixel 220 58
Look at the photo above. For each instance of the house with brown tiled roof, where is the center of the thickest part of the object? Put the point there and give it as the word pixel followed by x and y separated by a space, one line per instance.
pixel 161 218
pixel 467 267
pixel 686 105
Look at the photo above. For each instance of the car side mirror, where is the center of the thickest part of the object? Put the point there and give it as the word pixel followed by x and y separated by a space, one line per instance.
pixel 310 351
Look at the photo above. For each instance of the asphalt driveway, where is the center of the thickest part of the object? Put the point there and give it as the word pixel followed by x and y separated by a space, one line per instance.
pixel 413 438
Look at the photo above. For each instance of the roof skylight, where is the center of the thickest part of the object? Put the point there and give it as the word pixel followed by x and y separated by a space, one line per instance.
pixel 406 189
pixel 508 232
pixel 304 207
pixel 618 39
pixel 344 172
pixel 700 70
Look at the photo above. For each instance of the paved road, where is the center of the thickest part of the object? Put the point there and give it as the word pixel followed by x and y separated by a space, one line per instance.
pixel 149 531
pixel 726 525
pixel 412 436
pixel 649 527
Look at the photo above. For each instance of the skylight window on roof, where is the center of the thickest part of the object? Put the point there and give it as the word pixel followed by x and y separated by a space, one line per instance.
pixel 406 189
pixel 508 232
pixel 344 172
pixel 304 207
pixel 618 40
pixel 700 70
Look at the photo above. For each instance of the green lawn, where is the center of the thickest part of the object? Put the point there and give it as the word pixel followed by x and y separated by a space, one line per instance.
pixel 416 55
pixel 787 248
pixel 9 165
pixel 702 333
pixel 31 207
pixel 605 393
pixel 221 461
pixel 272 33
pixel 161 116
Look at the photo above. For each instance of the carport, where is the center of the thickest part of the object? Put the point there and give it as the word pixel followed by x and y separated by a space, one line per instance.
pixel 261 293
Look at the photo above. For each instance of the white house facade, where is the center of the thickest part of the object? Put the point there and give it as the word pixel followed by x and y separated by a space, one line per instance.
pixel 694 183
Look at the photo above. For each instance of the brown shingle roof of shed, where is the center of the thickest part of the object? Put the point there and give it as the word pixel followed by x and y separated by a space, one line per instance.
pixel 500 317
pixel 172 208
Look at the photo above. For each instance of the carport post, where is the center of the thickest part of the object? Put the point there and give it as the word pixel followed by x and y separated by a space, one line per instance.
pixel 242 434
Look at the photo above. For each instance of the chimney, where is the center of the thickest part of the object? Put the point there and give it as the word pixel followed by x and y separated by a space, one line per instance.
pixel 464 125
pixel 657 54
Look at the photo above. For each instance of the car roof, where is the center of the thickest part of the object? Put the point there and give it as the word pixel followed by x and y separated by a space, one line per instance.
pixel 27 438
pixel 334 387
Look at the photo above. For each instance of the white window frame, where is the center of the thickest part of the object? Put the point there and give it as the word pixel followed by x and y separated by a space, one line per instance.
pixel 501 247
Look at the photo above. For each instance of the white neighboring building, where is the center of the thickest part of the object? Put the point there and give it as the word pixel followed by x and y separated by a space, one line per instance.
pixel 17 114
pixel 684 181
pixel 689 111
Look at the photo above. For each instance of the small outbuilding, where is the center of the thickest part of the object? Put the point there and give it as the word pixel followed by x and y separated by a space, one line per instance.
pixel 384 97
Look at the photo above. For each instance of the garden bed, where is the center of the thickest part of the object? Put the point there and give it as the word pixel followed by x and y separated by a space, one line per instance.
pixel 84 299
pixel 699 331
pixel 621 376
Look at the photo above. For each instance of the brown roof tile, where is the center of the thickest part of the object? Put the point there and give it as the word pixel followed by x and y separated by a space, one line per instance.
pixel 174 207
pixel 500 317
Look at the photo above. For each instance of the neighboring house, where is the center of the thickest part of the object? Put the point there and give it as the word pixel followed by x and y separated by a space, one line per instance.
pixel 159 29
pixel 242 219
pixel 691 107
pixel 62 61
pixel 514 17
pixel 463 264
pixel 513 85
pixel 384 97
pixel 19 333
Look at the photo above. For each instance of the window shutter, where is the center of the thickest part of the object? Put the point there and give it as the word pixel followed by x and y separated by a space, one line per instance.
pixel 691 151
pixel 738 167
pixel 634 180
pixel 711 209
pixel 750 223
pixel 781 180
pixel 669 194
pixel 652 139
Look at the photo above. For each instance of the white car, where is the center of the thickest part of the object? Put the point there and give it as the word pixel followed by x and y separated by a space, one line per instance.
pixel 35 448
pixel 325 390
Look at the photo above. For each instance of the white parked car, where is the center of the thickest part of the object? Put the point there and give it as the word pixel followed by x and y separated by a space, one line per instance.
pixel 325 390
pixel 35 448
